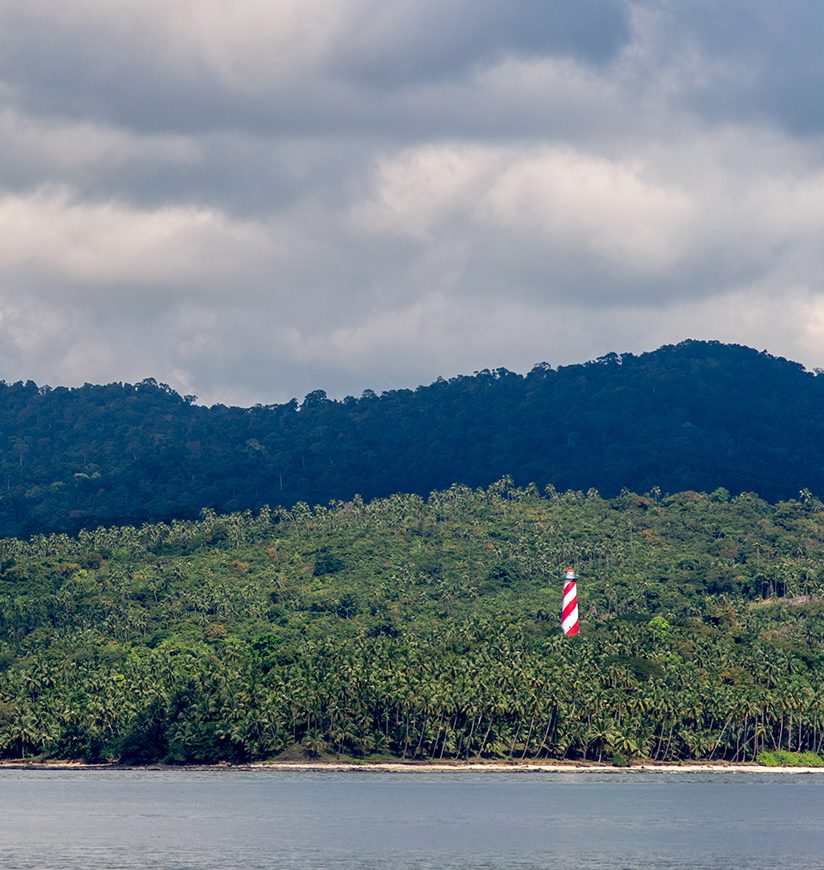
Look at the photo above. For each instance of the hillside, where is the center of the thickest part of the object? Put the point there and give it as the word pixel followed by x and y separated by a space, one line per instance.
pixel 422 629
pixel 693 416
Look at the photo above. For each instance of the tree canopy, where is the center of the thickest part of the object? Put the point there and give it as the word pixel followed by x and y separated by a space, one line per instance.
pixel 699 415
pixel 423 629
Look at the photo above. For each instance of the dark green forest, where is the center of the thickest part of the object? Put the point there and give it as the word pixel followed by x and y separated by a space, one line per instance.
pixel 698 415
pixel 422 629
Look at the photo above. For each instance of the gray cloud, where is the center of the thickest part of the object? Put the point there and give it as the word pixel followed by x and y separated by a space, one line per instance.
pixel 755 60
pixel 448 41
pixel 256 201
pixel 308 67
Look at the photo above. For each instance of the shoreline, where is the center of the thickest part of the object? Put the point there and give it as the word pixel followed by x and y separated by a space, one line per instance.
pixel 419 767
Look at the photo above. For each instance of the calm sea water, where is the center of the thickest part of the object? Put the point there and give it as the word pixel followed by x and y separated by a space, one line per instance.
pixel 184 819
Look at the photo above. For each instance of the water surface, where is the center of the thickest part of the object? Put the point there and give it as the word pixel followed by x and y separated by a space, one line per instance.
pixel 137 819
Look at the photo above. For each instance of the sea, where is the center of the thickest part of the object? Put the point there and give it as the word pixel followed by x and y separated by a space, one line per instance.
pixel 221 819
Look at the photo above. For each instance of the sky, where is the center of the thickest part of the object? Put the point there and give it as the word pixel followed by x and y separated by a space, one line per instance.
pixel 251 200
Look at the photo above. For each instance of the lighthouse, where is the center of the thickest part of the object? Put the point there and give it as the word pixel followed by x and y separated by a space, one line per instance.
pixel 569 609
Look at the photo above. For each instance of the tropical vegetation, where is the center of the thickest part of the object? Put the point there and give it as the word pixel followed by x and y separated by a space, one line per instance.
pixel 698 415
pixel 424 629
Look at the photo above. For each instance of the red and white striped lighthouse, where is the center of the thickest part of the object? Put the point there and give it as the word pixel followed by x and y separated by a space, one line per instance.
pixel 569 609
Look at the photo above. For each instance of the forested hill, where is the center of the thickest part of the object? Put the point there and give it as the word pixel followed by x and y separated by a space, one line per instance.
pixel 422 629
pixel 699 415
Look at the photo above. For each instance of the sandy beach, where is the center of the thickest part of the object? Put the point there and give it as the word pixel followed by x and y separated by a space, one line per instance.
pixel 543 767
pixel 425 767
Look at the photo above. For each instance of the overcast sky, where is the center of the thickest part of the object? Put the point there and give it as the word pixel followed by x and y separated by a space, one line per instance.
pixel 250 199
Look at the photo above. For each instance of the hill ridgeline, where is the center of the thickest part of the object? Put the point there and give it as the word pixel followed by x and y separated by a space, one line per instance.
pixel 694 416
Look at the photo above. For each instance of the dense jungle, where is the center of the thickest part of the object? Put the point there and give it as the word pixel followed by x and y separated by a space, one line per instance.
pixel 697 415
pixel 422 628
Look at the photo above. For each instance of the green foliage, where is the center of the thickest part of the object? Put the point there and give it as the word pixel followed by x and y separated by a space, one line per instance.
pixel 697 416
pixel 436 636
pixel 782 758
pixel 641 668
pixel 659 626
pixel 505 574
pixel 327 563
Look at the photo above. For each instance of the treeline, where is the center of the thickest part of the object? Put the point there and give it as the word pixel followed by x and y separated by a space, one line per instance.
pixel 422 629
pixel 693 416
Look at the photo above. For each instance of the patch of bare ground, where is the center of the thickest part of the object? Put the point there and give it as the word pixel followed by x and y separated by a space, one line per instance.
pixel 790 601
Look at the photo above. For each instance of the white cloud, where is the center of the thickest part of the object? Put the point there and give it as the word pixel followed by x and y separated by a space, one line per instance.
pixel 253 200
pixel 597 207
pixel 51 238
pixel 416 191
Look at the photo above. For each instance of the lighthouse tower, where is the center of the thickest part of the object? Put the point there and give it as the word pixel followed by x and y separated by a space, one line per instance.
pixel 569 609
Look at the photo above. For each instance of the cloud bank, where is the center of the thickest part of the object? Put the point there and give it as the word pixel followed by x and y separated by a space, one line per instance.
pixel 252 200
